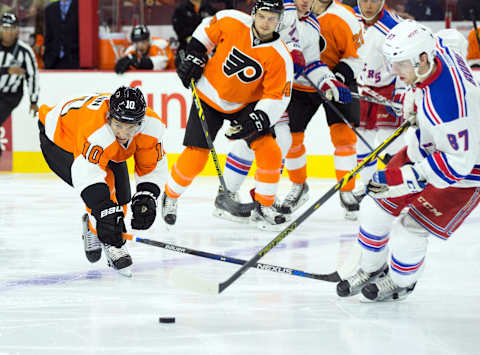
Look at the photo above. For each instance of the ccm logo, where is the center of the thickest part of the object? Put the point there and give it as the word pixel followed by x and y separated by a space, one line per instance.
pixel 111 210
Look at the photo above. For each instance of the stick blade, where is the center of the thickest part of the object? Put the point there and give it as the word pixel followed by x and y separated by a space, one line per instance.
pixel 184 279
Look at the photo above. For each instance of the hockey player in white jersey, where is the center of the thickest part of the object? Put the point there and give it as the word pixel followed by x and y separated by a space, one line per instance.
pixel 300 31
pixel 377 122
pixel 436 175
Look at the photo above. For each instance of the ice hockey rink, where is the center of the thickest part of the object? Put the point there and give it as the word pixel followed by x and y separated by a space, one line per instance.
pixel 53 301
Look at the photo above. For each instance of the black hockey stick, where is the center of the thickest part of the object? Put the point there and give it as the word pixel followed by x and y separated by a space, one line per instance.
pixel 203 121
pixel 340 114
pixel 194 283
pixel 332 277
pixel 475 28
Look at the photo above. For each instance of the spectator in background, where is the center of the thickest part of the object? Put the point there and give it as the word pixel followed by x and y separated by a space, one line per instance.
pixel 425 10
pixel 399 9
pixel 18 64
pixel 351 3
pixel 61 35
pixel 186 17
pixel 144 53
pixel 473 55
pixel 464 7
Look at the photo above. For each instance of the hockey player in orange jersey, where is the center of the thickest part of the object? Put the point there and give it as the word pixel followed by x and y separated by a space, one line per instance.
pixel 86 142
pixel 145 53
pixel 247 81
pixel 473 55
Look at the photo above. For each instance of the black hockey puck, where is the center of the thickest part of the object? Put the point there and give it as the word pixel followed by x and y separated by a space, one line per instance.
pixel 166 319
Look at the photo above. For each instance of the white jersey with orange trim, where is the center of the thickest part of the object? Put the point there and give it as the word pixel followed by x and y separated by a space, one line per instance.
pixel 80 126
pixel 374 71
pixel 342 37
pixel 303 34
pixel 242 69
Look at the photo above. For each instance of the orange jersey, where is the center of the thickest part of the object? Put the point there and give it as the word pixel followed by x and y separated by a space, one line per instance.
pixel 342 36
pixel 80 126
pixel 473 55
pixel 159 52
pixel 242 70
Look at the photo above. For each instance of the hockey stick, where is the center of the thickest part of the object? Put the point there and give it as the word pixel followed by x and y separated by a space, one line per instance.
pixel 380 100
pixel 203 121
pixel 475 28
pixel 332 277
pixel 205 286
pixel 340 114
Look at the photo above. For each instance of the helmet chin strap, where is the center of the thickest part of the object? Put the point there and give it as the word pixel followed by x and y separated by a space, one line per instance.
pixel 422 77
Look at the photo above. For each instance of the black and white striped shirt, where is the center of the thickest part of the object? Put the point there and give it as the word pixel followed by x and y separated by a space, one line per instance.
pixel 20 54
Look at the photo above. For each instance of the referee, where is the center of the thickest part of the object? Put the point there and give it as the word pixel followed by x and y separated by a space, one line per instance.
pixel 17 64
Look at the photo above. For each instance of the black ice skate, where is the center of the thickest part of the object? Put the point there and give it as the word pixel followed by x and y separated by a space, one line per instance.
pixel 91 244
pixel 384 289
pixel 229 207
pixel 353 285
pixel 267 218
pixel 169 209
pixel 118 258
pixel 296 197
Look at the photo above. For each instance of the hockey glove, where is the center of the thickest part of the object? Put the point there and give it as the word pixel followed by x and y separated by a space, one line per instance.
pixel 395 182
pixel 257 121
pixel 110 225
pixel 334 89
pixel 398 96
pixel 192 68
pixel 145 63
pixel 123 64
pixel 144 207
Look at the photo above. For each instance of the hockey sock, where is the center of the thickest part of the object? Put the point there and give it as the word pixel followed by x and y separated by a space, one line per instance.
pixel 296 160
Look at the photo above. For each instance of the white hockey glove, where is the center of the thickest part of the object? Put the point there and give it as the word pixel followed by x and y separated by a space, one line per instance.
pixel 409 107
pixel 395 182
pixel 334 89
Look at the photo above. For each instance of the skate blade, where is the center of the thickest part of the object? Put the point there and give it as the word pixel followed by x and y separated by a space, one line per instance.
pixel 229 217
pixel 125 272
pixel 265 226
pixel 351 215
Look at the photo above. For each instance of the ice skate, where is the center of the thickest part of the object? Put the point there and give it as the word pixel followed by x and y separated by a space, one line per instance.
pixel 229 207
pixel 353 285
pixel 267 218
pixel 169 209
pixel 118 258
pixel 296 197
pixel 91 244
pixel 385 289
pixel 351 205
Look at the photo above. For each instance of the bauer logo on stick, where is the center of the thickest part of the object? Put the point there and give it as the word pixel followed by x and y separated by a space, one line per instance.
pixel 238 63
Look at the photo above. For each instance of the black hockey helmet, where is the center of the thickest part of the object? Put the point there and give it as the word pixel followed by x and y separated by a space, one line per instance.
pixel 268 5
pixel 8 20
pixel 139 33
pixel 127 105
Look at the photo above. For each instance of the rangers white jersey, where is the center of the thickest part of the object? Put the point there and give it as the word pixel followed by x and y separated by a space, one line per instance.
pixel 375 72
pixel 304 35
pixel 446 145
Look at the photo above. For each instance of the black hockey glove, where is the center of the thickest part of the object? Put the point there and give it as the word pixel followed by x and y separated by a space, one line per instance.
pixel 145 63
pixel 110 225
pixel 192 67
pixel 144 205
pixel 123 64
pixel 257 121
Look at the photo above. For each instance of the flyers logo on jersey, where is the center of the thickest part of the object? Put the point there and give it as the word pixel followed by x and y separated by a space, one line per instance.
pixel 246 68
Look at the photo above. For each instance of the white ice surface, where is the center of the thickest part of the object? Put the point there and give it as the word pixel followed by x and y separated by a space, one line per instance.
pixel 53 301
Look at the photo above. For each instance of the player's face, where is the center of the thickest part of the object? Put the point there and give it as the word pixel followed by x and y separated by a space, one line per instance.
pixel 8 34
pixel 303 6
pixel 142 46
pixel 370 8
pixel 405 71
pixel 265 23
pixel 123 131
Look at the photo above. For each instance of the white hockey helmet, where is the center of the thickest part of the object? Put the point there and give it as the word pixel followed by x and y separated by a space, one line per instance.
pixel 453 39
pixel 407 41
pixel 372 17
